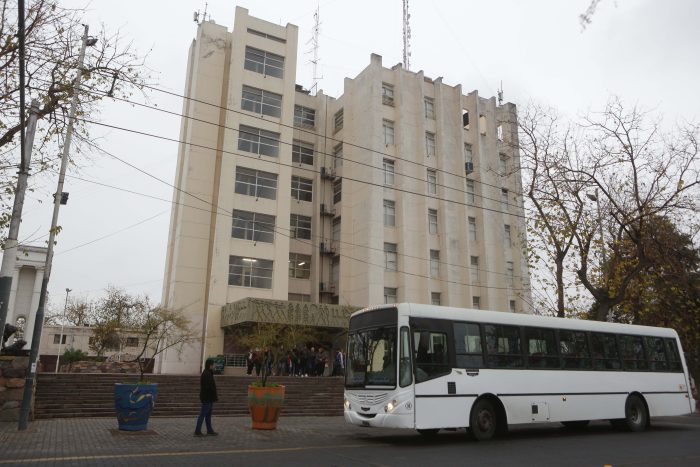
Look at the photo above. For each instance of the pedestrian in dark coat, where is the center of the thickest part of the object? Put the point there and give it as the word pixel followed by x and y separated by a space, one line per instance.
pixel 207 395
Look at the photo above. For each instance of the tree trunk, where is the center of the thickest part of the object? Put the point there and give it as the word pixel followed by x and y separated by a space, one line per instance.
pixel 560 288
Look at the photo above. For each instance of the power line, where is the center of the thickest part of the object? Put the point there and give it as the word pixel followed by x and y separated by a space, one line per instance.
pixel 303 130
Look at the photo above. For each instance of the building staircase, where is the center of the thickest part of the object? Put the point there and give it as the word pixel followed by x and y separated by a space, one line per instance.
pixel 67 395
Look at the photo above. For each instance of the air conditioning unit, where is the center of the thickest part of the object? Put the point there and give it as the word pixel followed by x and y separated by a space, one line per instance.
pixel 469 167
pixel 327 173
pixel 326 211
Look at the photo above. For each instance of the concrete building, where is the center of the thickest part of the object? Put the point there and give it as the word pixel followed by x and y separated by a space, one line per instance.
pixel 402 189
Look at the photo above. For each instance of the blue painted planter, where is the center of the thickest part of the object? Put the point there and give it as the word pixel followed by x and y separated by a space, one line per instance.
pixel 133 404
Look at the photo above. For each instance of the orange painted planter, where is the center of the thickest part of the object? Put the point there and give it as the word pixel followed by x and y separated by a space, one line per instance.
pixel 265 405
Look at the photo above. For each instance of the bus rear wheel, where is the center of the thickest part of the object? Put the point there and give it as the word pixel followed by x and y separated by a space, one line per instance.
pixel 636 415
pixel 483 420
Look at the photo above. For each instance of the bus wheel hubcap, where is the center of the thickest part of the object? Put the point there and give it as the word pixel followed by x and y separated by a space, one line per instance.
pixel 485 420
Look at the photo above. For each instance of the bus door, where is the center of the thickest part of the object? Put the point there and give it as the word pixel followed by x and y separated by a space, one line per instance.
pixel 432 393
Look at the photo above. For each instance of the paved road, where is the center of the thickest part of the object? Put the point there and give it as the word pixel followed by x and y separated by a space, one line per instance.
pixel 328 441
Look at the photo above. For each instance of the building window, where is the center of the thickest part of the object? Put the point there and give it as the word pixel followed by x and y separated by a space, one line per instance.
pixel 261 101
pixel 338 156
pixel 253 226
pixel 302 153
pixel 502 165
pixel 302 188
pixel 465 119
pixel 432 221
pixel 429 144
pixel 388 172
pixel 256 183
pixel 468 155
pixel 435 298
pixel 511 305
pixel 250 272
pixel 432 182
pixel 434 264
pixel 504 199
pixel 299 297
pixel 300 226
pixel 474 268
pixel 335 230
pixel 337 190
pixel 132 341
pixel 388 127
pixel 257 141
pixel 390 256
pixel 499 132
pixel 299 266
pixel 390 295
pixel 304 116
pixel 476 302
pixel 470 191
pixel 387 94
pixel 510 274
pixel 389 213
pixel 20 322
pixel 472 228
pixel 263 62
pixel 338 120
pixel 506 236
pixel 429 105
pixel 58 338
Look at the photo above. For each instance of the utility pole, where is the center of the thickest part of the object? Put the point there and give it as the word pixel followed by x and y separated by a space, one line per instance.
pixel 9 257
pixel 39 318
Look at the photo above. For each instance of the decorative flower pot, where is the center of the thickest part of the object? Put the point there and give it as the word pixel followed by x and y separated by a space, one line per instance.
pixel 265 404
pixel 134 404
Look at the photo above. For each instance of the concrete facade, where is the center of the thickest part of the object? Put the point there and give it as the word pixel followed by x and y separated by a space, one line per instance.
pixel 26 288
pixel 457 233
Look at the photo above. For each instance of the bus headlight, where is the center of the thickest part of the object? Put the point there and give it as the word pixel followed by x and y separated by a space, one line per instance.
pixel 390 406
pixel 346 404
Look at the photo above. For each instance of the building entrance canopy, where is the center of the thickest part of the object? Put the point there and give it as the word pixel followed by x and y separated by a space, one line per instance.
pixel 258 310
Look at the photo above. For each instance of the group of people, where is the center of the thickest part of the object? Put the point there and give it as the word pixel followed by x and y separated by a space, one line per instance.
pixel 302 361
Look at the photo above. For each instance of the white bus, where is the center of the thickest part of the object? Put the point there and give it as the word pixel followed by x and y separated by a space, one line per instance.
pixel 428 368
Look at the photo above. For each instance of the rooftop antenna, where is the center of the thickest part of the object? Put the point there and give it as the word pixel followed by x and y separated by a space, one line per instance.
pixel 316 30
pixel 406 36
pixel 500 94
pixel 195 16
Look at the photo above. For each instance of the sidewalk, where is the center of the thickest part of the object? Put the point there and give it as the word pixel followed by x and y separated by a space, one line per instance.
pixel 170 441
pixel 97 440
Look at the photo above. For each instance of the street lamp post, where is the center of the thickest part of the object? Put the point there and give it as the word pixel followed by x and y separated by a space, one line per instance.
pixel 60 338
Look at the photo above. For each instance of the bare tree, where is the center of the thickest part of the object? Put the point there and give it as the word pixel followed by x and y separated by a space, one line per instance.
pixel 634 171
pixel 52 41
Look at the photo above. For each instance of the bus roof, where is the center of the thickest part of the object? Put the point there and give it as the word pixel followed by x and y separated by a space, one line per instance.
pixel 519 319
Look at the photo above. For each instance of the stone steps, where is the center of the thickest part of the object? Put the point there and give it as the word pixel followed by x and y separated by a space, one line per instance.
pixel 68 395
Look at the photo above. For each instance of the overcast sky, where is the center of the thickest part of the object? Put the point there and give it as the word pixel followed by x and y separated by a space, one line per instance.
pixel 644 51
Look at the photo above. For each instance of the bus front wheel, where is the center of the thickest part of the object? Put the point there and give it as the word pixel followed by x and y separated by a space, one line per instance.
pixel 483 420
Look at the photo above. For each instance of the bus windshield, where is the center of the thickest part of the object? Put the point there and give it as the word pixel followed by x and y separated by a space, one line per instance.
pixel 371 359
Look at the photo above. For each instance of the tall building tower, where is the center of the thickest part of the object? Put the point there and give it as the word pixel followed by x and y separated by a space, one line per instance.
pixel 402 189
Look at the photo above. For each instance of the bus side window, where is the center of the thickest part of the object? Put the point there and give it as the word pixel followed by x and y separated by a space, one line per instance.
pixel 674 358
pixel 656 354
pixel 503 346
pixel 604 349
pixel 468 345
pixel 632 350
pixel 573 347
pixel 541 348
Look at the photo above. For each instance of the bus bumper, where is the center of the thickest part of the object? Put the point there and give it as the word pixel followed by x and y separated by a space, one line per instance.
pixel 380 420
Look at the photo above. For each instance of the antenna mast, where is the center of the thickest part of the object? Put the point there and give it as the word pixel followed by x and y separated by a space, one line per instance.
pixel 406 36
pixel 314 42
